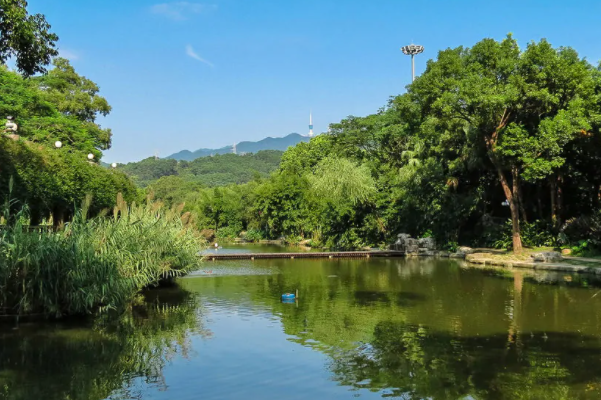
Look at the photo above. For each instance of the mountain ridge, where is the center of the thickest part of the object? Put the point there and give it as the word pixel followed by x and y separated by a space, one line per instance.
pixel 268 143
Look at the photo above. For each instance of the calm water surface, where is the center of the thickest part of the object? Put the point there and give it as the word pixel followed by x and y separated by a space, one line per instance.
pixel 394 328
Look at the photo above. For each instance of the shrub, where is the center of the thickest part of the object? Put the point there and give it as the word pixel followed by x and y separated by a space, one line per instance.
pixel 254 235
pixel 534 234
pixel 94 264
pixel 228 232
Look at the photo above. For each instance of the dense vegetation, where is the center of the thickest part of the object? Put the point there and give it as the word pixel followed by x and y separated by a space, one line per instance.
pixel 60 106
pixel 218 170
pixel 95 264
pixel 487 134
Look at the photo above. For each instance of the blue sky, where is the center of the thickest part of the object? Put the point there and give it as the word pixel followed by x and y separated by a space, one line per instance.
pixel 186 75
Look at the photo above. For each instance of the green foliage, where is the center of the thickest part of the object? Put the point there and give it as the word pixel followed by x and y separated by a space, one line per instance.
pixel 94 264
pixel 59 106
pixel 219 170
pixel 25 37
pixel 534 234
pixel 228 232
pixel 53 181
pixel 339 180
pixel 254 235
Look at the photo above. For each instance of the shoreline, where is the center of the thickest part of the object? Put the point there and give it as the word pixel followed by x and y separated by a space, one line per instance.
pixel 486 260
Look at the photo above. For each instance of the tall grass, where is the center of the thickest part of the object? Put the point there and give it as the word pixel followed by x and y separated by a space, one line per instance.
pixel 94 265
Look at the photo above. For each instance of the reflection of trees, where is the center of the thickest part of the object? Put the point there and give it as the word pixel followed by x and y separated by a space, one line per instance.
pixel 75 362
pixel 434 330
pixel 419 363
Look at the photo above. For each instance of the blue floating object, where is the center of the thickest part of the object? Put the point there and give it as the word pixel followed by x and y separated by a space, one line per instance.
pixel 288 301
pixel 288 296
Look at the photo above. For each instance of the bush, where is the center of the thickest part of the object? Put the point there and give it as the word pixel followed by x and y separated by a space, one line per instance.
pixel 254 235
pixel 534 234
pixel 94 264
pixel 228 232
pixel 583 229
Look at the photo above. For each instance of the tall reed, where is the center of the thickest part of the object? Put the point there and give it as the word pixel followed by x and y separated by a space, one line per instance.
pixel 94 265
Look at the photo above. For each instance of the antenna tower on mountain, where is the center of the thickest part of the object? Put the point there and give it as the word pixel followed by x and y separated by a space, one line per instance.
pixel 310 124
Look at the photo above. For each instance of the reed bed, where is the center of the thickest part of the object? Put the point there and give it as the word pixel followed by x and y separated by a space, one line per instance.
pixel 94 265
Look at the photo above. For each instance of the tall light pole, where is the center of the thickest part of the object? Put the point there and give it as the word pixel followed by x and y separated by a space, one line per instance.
pixel 412 50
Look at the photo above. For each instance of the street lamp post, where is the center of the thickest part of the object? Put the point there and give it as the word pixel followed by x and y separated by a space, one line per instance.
pixel 412 50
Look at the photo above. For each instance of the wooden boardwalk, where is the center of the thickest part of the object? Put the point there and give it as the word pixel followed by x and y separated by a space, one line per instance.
pixel 307 254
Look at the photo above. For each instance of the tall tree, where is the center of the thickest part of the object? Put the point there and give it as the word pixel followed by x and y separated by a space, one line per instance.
pixel 518 108
pixel 25 37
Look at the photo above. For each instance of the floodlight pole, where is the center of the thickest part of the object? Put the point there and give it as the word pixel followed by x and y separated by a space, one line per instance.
pixel 412 50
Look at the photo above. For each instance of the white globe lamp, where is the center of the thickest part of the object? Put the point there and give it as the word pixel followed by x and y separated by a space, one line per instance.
pixel 90 156
pixel 58 144
pixel 114 165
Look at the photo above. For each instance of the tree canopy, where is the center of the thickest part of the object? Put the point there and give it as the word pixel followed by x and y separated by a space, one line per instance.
pixel 25 37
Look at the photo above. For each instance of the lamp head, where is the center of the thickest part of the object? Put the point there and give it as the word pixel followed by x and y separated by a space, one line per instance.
pixel 412 49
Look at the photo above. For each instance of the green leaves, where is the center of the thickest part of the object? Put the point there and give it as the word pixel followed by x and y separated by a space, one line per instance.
pixel 25 37
pixel 340 181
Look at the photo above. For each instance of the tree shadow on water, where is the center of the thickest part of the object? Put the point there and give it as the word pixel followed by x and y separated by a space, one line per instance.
pixel 76 360
pixel 412 362
pixel 367 298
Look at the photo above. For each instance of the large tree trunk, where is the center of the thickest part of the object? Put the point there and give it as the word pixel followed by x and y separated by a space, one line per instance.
pixel 511 193
pixel 514 207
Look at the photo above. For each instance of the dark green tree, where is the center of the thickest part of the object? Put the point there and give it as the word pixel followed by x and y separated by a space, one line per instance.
pixel 25 37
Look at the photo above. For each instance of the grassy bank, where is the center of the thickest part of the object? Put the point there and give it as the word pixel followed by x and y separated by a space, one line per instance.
pixel 94 265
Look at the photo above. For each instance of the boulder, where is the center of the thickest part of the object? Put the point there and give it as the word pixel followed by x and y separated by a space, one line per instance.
pixel 427 243
pixel 546 256
pixel 411 246
pixel 465 250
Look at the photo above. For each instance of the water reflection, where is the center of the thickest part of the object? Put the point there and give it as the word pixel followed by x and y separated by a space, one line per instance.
pixel 412 329
pixel 435 329
pixel 83 361
pixel 418 362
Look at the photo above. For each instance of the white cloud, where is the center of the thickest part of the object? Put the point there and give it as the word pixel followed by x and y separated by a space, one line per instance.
pixel 190 52
pixel 180 10
pixel 69 55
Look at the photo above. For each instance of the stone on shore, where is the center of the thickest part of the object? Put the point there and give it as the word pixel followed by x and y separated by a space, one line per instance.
pixel 546 256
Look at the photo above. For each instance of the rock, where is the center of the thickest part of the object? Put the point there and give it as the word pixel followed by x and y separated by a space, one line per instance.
pixel 427 243
pixel 465 250
pixel 566 252
pixel 411 245
pixel 546 256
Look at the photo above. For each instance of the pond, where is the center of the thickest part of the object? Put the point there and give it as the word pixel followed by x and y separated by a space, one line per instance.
pixel 394 328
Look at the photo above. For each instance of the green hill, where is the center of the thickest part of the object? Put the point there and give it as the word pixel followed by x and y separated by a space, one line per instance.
pixel 219 170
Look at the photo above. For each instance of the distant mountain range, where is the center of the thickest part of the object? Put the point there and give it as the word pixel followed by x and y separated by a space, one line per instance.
pixel 268 143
